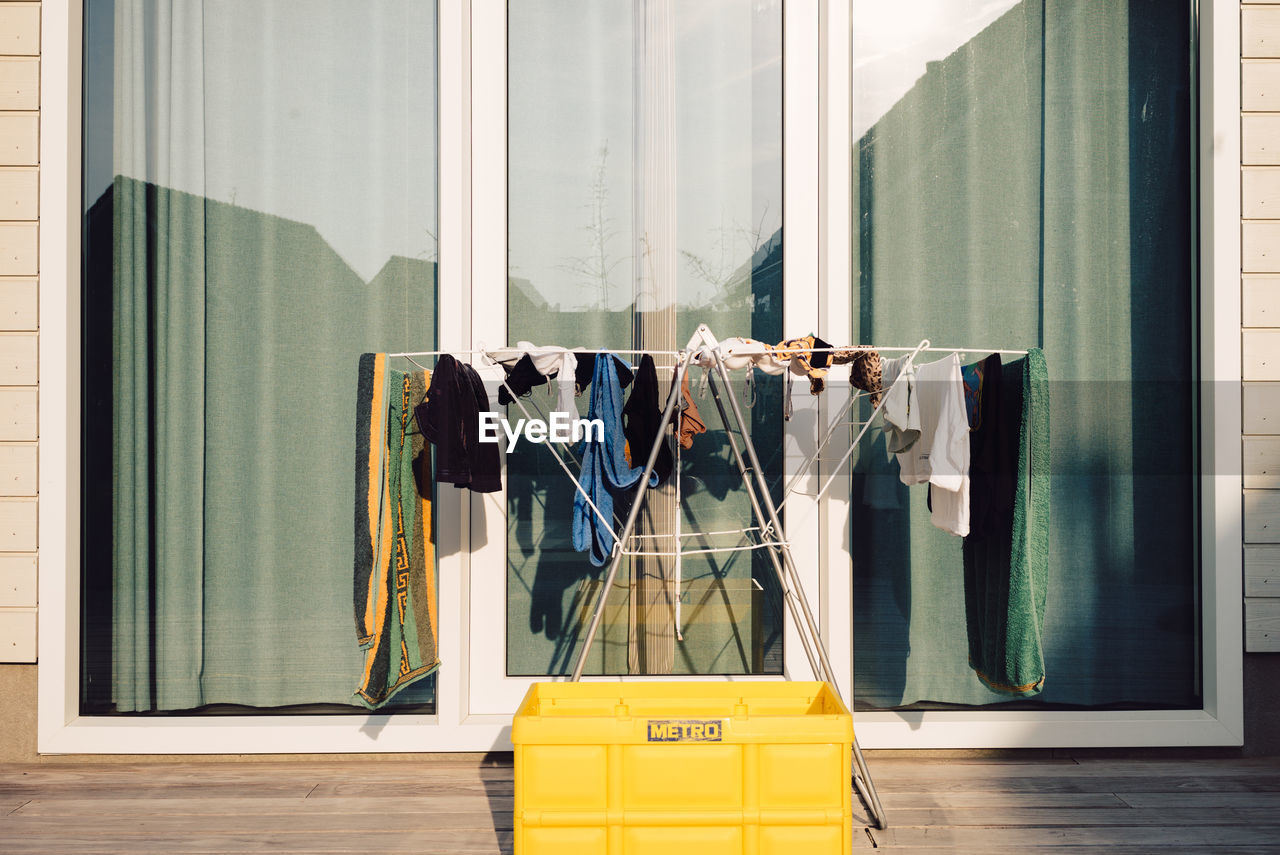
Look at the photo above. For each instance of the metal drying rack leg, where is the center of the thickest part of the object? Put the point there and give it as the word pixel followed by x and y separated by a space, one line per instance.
pixel 766 514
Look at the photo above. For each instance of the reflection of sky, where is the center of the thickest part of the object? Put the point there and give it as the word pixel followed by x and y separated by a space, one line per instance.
pixel 572 77
pixel 894 39
pixel 320 111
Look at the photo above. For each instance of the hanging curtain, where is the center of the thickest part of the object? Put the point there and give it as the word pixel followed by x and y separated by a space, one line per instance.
pixel 272 213
pixel 1033 188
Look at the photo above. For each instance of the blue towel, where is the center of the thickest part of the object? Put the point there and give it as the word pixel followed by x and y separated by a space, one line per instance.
pixel 604 466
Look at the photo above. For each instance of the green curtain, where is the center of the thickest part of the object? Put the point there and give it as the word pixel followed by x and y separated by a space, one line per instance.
pixel 235 334
pixel 1034 188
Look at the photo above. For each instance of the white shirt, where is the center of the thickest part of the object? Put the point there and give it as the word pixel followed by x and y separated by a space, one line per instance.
pixel 941 455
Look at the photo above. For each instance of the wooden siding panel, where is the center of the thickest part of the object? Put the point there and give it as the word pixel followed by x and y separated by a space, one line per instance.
pixel 17 635
pixel 19 249
pixel 20 29
pixel 18 581
pixel 1262 462
pixel 1262 408
pixel 19 299
pixel 19 83
pixel 18 359
pixel 1260 192
pixel 17 525
pixel 19 139
pixel 18 415
pixel 1260 139
pixel 18 473
pixel 1262 571
pixel 1261 625
pixel 1261 354
pixel 20 193
pixel 1261 246
pixel 1260 90
pixel 1262 516
pixel 1260 31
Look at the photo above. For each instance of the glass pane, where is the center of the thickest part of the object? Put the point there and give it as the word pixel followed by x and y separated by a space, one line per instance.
pixel 260 186
pixel 645 183
pixel 1024 179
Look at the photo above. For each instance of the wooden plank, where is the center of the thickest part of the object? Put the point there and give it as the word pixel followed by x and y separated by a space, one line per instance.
pixel 19 139
pixel 17 585
pixel 1260 139
pixel 17 474
pixel 203 806
pixel 19 249
pixel 1260 31
pixel 906 801
pixel 19 192
pixel 18 414
pixel 18 352
pixel 20 29
pixel 17 638
pixel 1261 462
pixel 1262 516
pixel 19 83
pixel 1260 85
pixel 982 839
pixel 211 842
pixel 1261 354
pixel 1072 817
pixel 894 770
pixel 19 301
pixel 1262 408
pixel 1176 783
pixel 15 824
pixel 1262 571
pixel 1261 625
pixel 1260 192
pixel 1197 801
pixel 17 525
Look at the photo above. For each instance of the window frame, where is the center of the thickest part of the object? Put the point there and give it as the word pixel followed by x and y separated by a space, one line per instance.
pixel 61 727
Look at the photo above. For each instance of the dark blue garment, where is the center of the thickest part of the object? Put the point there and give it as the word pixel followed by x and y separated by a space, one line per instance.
pixel 604 466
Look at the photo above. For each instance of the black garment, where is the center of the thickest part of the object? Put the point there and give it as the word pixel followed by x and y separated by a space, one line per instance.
pixel 993 453
pixel 449 417
pixel 820 358
pixel 640 418
pixel 521 377
pixel 587 368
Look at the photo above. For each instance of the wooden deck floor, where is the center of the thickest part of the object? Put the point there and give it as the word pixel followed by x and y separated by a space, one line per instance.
pixel 463 805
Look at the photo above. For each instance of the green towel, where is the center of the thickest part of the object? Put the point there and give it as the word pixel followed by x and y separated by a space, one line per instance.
pixel 395 581
pixel 1006 570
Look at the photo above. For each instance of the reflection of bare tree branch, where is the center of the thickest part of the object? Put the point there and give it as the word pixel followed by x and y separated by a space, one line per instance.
pixel 596 268
pixel 432 252
pixel 730 279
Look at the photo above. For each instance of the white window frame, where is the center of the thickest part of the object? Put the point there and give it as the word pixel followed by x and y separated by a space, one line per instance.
pixel 61 728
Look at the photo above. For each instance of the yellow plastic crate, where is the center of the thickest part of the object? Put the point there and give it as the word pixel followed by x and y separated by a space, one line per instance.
pixel 682 769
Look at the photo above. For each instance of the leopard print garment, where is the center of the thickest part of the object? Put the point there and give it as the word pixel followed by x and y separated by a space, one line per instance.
pixel 865 371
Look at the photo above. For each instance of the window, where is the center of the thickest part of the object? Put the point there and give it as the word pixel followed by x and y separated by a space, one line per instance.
pixel 260 208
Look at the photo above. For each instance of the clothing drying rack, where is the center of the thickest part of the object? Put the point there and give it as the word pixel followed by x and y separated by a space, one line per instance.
pixel 705 350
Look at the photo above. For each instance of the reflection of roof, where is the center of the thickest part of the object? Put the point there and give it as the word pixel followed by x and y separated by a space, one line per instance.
pixel 524 288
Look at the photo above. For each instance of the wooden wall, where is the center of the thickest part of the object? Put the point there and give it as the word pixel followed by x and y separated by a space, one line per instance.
pixel 1260 304
pixel 19 236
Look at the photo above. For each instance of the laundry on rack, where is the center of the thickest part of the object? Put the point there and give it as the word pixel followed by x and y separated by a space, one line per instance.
pixel 449 418
pixel 604 467
pixel 901 413
pixel 641 416
pixel 1006 555
pixel 940 457
pixel 394 585
pixel 547 362
pixel 866 370
pixel 689 421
